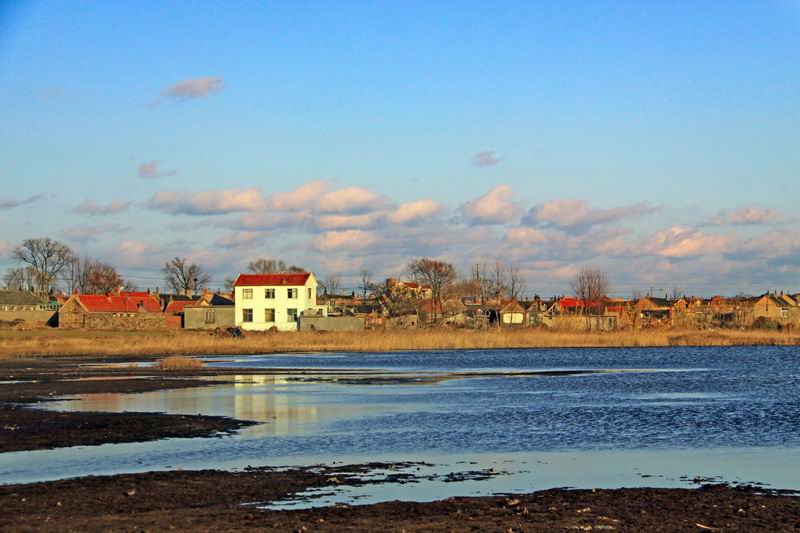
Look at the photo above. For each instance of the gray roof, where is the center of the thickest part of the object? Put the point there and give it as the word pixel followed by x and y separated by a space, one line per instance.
pixel 19 298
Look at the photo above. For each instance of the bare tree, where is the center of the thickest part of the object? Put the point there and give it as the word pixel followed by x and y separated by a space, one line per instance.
pixel 494 282
pixel 331 284
pixel 75 275
pixel 264 265
pixel 438 275
pixel 591 287
pixel 47 257
pixel 20 279
pixel 182 277
pixel 516 282
pixel 103 278
pixel 366 283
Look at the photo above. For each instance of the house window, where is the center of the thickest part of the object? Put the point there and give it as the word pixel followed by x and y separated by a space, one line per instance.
pixel 291 314
pixel 269 294
pixel 309 294
pixel 247 294
pixel 784 312
pixel 292 294
pixel 209 316
pixel 269 315
pixel 247 315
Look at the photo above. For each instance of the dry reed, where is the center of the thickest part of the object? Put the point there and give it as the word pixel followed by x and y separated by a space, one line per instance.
pixel 179 362
pixel 109 343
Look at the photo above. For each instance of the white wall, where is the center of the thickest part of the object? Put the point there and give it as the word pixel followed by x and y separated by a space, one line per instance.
pixel 281 304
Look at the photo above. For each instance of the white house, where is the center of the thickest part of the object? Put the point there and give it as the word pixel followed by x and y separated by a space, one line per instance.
pixel 267 300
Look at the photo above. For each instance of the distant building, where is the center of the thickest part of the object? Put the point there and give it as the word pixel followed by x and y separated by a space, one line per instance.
pixel 211 311
pixel 127 311
pixel 266 301
pixel 25 306
pixel 423 292
pixel 781 308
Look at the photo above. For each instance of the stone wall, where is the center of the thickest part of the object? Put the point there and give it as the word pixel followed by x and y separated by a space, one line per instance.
pixel 330 323
pixel 118 321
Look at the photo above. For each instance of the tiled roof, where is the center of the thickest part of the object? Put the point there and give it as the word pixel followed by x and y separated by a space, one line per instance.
pixel 19 298
pixel 269 280
pixel 177 307
pixel 101 303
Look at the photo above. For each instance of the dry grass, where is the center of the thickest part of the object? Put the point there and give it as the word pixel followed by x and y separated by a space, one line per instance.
pixel 179 362
pixel 164 343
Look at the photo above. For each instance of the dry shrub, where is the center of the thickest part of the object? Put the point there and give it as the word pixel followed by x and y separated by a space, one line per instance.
pixel 179 362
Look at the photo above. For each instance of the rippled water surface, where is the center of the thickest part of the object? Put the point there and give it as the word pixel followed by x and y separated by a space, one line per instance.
pixel 689 405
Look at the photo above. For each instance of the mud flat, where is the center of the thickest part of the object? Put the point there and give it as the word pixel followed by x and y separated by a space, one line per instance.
pixel 217 500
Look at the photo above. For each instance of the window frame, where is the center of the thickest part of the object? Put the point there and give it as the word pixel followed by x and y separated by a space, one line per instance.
pixel 269 294
pixel 247 313
pixel 292 314
pixel 247 294
pixel 269 312
pixel 292 293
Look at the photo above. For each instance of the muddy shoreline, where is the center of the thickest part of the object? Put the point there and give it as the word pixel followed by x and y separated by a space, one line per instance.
pixel 215 500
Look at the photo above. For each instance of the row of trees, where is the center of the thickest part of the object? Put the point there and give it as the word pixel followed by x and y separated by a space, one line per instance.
pixel 46 265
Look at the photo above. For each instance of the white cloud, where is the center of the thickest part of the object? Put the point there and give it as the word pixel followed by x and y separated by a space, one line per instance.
pixel 485 159
pixel 577 214
pixel 208 202
pixel 349 199
pixel 417 210
pixel 150 169
pixel 364 220
pixel 89 207
pixel 494 207
pixel 300 198
pixel 343 240
pixel 749 216
pixel 241 238
pixel 526 236
pixel 85 233
pixel 677 242
pixel 193 88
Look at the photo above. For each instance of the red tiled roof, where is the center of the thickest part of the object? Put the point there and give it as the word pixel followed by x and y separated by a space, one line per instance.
pixel 267 280
pixel 177 307
pixel 100 303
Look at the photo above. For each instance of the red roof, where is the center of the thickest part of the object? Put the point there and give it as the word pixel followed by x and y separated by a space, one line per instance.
pixel 100 303
pixel 177 307
pixel 268 280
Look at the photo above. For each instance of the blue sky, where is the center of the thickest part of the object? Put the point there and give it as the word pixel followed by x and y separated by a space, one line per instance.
pixel 658 140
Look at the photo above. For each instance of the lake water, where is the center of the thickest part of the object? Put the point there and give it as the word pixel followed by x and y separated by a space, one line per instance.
pixel 655 416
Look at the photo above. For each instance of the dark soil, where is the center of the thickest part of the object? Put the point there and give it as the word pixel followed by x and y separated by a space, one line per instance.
pixel 213 500
pixel 22 428
pixel 25 428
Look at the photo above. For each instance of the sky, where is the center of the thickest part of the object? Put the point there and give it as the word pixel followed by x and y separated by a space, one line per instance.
pixel 659 141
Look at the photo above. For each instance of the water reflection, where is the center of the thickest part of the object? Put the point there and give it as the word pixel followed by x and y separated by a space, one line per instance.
pixel 284 406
